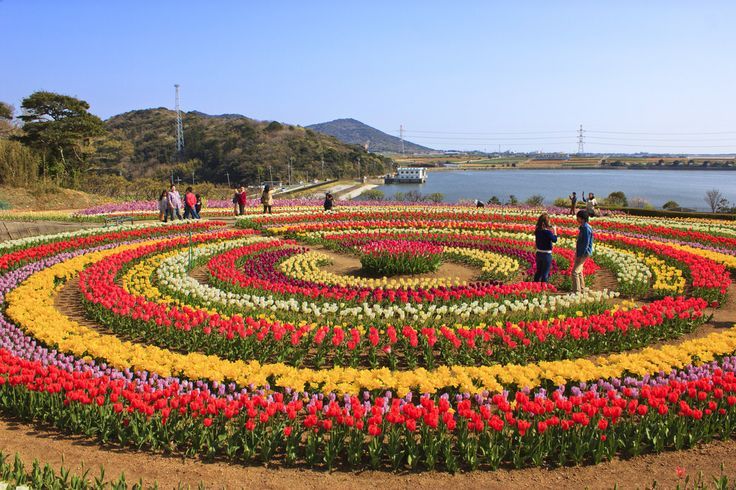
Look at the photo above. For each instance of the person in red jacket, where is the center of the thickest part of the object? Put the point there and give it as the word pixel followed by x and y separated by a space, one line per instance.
pixel 190 201
pixel 242 200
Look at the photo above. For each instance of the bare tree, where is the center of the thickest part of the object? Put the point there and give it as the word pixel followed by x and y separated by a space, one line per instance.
pixel 716 200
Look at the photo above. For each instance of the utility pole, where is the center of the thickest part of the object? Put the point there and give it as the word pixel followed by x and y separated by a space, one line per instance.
pixel 270 175
pixel 227 174
pixel 580 140
pixel 192 177
pixel 290 161
pixel 323 167
pixel 358 168
pixel 401 135
pixel 179 126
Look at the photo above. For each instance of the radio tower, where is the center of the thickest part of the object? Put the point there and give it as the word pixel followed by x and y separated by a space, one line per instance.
pixel 179 127
pixel 581 141
pixel 401 135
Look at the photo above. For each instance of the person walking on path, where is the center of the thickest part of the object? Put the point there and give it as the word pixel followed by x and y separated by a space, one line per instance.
pixel 163 205
pixel 544 235
pixel 573 203
pixel 190 201
pixel 590 204
pixel 329 201
pixel 267 199
pixel 583 250
pixel 174 204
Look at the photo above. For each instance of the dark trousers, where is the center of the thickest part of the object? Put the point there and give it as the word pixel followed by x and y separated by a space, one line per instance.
pixel 544 264
pixel 190 212
pixel 241 208
pixel 170 213
pixel 266 209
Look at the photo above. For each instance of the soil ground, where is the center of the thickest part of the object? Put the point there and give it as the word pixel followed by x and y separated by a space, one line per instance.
pixel 49 198
pixel 80 453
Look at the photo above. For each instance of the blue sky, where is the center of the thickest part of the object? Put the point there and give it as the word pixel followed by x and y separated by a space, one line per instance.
pixel 460 74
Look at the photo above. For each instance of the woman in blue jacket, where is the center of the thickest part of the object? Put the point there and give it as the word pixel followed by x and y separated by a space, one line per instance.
pixel 583 250
pixel 545 235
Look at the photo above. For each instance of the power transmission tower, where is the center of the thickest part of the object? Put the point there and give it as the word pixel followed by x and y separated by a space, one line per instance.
pixel 179 127
pixel 581 140
pixel 401 135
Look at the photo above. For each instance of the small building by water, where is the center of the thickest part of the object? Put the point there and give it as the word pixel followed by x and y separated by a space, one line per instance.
pixel 407 175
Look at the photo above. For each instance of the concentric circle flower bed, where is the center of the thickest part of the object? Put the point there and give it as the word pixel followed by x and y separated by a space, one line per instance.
pixel 246 344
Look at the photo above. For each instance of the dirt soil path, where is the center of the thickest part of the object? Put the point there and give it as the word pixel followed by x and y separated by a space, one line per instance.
pixel 79 454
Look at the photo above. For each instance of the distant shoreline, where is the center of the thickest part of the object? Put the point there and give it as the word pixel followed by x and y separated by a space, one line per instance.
pixel 678 168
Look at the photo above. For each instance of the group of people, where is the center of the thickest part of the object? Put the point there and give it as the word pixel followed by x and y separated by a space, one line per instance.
pixel 240 200
pixel 590 204
pixel 545 235
pixel 170 204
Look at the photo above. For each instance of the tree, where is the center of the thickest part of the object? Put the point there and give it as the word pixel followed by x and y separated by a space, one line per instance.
pixel 6 111
pixel 617 199
pixel 535 200
pixel 513 200
pixel 61 129
pixel 6 118
pixel 716 200
pixel 494 200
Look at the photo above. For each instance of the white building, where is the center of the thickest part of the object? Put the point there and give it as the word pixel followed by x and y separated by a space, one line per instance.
pixel 410 175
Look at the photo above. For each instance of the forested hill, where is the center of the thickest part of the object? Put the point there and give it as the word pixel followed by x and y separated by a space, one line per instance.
pixel 355 132
pixel 142 143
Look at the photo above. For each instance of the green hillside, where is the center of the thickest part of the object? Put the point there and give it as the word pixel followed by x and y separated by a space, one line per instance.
pixel 142 143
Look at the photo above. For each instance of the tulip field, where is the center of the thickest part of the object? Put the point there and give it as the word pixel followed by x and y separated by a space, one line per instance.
pixel 245 341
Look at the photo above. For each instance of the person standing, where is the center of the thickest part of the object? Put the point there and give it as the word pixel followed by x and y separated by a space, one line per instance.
pixel 329 201
pixel 190 201
pixel 583 250
pixel 163 205
pixel 236 196
pixel 573 202
pixel 267 199
pixel 198 205
pixel 544 236
pixel 242 200
pixel 590 204
pixel 174 203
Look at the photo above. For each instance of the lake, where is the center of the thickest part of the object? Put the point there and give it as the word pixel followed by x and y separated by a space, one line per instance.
pixel 686 187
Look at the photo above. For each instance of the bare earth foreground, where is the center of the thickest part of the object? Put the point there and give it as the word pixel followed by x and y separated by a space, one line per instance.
pixel 80 454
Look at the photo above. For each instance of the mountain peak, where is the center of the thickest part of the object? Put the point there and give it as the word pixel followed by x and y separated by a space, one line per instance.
pixel 354 132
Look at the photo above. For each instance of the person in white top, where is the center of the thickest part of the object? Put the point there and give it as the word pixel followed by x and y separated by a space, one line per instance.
pixel 590 204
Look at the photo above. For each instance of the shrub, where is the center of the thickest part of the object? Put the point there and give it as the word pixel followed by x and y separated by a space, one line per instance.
pixel 671 206
pixel 617 199
pixel 535 200
pixel 435 197
pixel 513 200
pixel 494 200
pixel 562 202
pixel 640 203
pixel 373 195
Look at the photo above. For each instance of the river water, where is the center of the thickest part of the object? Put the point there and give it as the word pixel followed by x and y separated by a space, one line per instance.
pixel 686 187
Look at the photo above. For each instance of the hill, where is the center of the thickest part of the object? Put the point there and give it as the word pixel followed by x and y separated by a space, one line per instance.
pixel 142 143
pixel 354 132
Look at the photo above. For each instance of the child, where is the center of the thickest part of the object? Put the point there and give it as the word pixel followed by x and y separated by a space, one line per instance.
pixel 583 250
pixel 163 205
pixel 328 202
pixel 544 235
